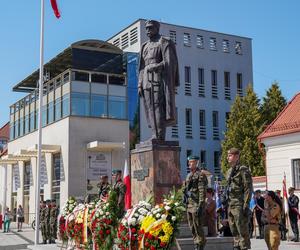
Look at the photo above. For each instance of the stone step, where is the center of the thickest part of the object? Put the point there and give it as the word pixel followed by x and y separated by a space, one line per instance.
pixel 213 243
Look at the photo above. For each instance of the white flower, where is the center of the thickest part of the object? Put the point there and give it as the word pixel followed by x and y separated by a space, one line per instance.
pixel 158 216
pixel 142 211
pixel 167 208
pixel 164 216
pixel 107 213
pixel 141 217
pixel 148 206
pixel 136 215
pixel 173 218
pixel 101 212
pixel 132 221
pixel 149 213
pixel 157 206
pixel 176 204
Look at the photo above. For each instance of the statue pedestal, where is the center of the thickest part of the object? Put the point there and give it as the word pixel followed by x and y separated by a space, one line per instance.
pixel 155 169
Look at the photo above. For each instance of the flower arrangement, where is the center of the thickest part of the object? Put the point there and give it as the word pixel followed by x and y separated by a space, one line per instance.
pixel 158 228
pixel 66 211
pixel 127 236
pixel 104 222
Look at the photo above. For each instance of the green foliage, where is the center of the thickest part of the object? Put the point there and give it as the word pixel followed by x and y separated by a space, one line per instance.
pixel 272 104
pixel 243 127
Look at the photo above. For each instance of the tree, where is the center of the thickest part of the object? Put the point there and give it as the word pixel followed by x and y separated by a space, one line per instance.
pixel 243 127
pixel 272 104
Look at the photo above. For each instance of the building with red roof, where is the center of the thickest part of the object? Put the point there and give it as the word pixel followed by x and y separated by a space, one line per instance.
pixel 4 137
pixel 281 140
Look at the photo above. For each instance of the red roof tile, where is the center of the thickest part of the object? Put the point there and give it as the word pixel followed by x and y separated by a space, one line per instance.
pixel 4 131
pixel 287 122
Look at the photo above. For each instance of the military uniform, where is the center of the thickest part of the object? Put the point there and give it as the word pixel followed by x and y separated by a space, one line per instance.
pixel 239 195
pixel 53 213
pixel 47 220
pixel 271 217
pixel 104 189
pixel 43 223
pixel 120 189
pixel 195 186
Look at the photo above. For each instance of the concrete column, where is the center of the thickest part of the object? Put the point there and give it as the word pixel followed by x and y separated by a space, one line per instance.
pixel 33 163
pixel 9 187
pixel 49 167
pixel 20 191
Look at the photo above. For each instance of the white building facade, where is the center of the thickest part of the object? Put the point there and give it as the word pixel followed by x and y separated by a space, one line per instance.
pixel 214 68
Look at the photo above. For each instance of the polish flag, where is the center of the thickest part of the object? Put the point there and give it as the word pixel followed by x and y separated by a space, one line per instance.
pixel 128 186
pixel 55 8
pixel 285 197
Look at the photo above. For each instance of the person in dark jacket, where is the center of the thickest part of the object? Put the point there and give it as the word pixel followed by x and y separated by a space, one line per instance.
pixel 294 213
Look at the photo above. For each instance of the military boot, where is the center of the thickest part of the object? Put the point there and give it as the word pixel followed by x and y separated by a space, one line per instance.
pixel 236 248
pixel 199 247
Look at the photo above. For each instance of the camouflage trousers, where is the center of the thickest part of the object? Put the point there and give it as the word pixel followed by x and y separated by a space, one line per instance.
pixel 44 231
pixel 196 225
pixel 53 230
pixel 239 226
pixel 272 236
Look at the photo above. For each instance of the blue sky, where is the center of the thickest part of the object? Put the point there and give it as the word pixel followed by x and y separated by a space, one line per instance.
pixel 272 24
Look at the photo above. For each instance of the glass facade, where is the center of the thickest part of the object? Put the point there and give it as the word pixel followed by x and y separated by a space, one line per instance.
pixel 80 104
pixel 98 105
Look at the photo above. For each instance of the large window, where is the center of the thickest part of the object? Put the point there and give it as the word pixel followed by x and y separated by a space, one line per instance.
pixel 117 107
pixel 27 176
pixel 296 173
pixel 57 109
pixel 12 130
pixel 99 105
pixel 56 169
pixel 80 104
pixel 65 105
pixel 50 112
pixel 26 126
pixel 32 122
pixel 21 126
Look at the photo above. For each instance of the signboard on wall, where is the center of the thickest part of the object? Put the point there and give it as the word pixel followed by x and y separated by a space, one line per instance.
pixel 98 164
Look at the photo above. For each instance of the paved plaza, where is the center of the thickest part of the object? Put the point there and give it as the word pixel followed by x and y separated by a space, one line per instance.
pixel 25 240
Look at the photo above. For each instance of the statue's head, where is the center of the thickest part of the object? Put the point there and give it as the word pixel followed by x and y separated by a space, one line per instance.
pixel 152 28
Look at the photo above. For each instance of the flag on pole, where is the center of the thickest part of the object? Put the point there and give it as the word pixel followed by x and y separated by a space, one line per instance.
pixel 128 186
pixel 285 197
pixel 217 195
pixel 55 8
pixel 252 202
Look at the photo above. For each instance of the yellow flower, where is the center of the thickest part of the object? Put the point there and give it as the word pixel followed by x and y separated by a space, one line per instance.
pixel 146 222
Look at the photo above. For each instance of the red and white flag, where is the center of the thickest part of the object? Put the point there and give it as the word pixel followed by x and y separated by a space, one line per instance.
pixel 128 186
pixel 285 197
pixel 55 8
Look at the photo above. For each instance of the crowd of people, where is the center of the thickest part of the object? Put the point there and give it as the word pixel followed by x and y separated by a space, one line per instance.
pixel 236 210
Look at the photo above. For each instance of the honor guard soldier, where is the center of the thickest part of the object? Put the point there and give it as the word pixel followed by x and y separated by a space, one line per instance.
pixel 47 219
pixel 103 188
pixel 271 218
pixel 239 190
pixel 120 188
pixel 194 197
pixel 53 221
pixel 43 221
pixel 294 213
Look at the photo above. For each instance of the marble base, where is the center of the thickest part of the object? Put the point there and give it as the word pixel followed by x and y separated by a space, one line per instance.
pixel 155 169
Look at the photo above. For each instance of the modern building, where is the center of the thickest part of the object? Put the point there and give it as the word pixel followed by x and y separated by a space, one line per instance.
pixel 281 140
pixel 214 68
pixel 85 125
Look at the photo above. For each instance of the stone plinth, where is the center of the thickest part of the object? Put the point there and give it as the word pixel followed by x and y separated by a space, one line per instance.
pixel 155 169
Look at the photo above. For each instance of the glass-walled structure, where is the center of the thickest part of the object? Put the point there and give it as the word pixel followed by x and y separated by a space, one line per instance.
pixel 88 79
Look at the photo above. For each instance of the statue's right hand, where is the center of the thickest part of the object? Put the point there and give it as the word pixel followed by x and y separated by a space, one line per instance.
pixel 140 91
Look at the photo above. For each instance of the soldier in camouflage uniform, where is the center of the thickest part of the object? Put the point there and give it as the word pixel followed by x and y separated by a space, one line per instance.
pixel 43 221
pixel 104 187
pixel 47 219
pixel 53 221
pixel 120 189
pixel 239 195
pixel 195 193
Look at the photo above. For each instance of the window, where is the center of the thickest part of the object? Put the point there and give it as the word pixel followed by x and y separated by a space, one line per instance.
pixel 12 131
pixel 50 112
pixel 217 168
pixel 57 109
pixel 116 42
pixel 117 107
pixel 124 41
pixel 80 76
pixel 51 86
pixel 57 82
pixel 214 84
pixel 227 85
pixel 21 133
pixel 66 105
pixel 203 158
pixel 66 77
pixel 200 42
pixel 32 121
pixel 296 173
pixel 17 128
pixel 201 86
pixel 56 169
pixel 187 39
pixel 172 34
pixel 238 48
pixel 213 43
pixel 44 116
pixel 239 85
pixel 99 105
pixel 215 120
pixel 12 110
pixel 189 152
pixel 202 123
pixel 27 176
pixel 116 80
pixel 133 36
pixel 225 46
pixel 80 104
pixel 187 84
pixel 26 125
pixel 99 78
pixel 188 123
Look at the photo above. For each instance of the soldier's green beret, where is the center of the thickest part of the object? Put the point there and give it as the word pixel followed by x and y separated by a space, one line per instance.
pixel 116 171
pixel 48 201
pixel 193 157
pixel 53 200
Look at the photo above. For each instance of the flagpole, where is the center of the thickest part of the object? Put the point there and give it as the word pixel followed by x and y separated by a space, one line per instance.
pixel 39 156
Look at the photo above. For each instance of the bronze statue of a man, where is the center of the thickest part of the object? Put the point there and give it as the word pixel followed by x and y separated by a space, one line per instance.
pixel 158 78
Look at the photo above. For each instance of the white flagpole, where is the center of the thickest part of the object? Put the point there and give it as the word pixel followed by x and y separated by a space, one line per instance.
pixel 39 158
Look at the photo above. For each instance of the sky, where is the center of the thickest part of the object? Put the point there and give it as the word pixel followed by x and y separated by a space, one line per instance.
pixel 273 26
